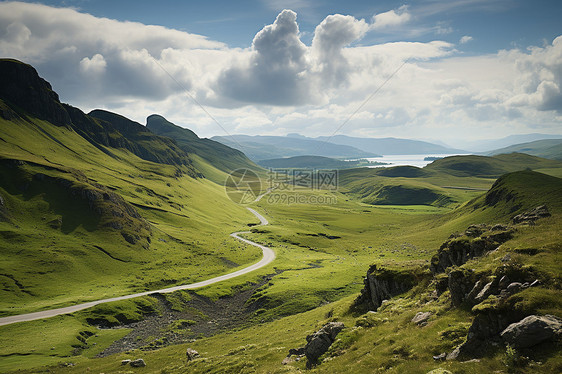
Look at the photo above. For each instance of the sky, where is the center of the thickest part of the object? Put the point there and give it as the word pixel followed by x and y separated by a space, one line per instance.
pixel 453 71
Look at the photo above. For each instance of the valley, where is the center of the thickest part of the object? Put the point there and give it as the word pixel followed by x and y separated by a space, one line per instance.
pixel 137 223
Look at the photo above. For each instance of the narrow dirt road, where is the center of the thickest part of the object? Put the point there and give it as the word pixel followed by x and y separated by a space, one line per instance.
pixel 268 257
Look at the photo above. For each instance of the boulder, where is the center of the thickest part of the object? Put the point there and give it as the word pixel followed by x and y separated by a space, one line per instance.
pixel 532 330
pixel 383 284
pixel 125 362
pixel 319 342
pixel 421 318
pixel 192 354
pixel 138 363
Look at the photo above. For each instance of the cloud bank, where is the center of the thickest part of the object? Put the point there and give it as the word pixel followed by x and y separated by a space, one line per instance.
pixel 281 85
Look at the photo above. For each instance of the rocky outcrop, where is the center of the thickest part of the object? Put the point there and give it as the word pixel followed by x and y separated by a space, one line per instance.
pixel 532 215
pixel 23 93
pixel 21 86
pixel 474 242
pixel 532 330
pixel 382 284
pixel 138 363
pixel 191 354
pixel 319 342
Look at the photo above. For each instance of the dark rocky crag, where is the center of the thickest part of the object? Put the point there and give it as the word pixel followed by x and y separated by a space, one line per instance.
pixel 24 93
pixel 382 284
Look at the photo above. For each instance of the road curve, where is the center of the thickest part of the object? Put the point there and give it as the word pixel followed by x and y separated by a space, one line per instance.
pixel 268 257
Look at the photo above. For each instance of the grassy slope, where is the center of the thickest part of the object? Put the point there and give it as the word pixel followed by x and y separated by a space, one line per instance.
pixel 218 155
pixel 323 252
pixel 385 341
pixel 42 267
pixel 445 182
pixel 547 148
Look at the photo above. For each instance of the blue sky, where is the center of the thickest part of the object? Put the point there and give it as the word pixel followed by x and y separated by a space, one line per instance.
pixel 493 24
pixel 467 69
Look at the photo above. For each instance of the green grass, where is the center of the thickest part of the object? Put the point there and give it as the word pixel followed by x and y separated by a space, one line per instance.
pixel 47 266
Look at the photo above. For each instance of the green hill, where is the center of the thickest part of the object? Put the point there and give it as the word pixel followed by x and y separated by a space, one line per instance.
pixel 217 154
pixel 97 205
pixel 314 162
pixel 547 148
pixel 490 167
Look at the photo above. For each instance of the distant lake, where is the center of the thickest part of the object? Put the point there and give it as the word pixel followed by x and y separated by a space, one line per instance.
pixel 413 160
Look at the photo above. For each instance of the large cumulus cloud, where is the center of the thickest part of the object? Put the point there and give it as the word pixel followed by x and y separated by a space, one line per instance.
pixel 275 72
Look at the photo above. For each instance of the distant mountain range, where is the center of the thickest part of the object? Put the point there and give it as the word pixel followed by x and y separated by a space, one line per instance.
pixel 269 147
pixel 488 146
pixel 260 148
pixel 391 146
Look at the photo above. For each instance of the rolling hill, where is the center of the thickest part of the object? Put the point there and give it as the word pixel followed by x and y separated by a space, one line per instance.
pixel 546 148
pixel 212 152
pixel 97 205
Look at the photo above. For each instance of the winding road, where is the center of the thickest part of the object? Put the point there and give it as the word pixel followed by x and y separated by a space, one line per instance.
pixel 268 257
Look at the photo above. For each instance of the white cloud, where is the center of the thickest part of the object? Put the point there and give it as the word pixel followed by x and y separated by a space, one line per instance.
pixel 391 18
pixel 94 65
pixel 465 39
pixel 281 85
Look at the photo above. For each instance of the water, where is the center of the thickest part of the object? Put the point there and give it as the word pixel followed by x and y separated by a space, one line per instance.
pixel 412 160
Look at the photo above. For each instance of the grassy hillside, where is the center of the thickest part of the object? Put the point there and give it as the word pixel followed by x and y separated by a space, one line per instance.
pixel 214 153
pixel 342 240
pixel 547 148
pixel 98 207
pixel 491 167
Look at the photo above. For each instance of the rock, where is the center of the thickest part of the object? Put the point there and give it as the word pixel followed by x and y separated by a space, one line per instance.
pixel 125 362
pixel 440 357
pixel 460 284
pixel 192 354
pixel 476 241
pixel 514 288
pixel 319 342
pixel 506 258
pixel 287 360
pixel 532 215
pixel 454 354
pixel 471 297
pixel 499 227
pixel 382 284
pixel 421 318
pixel 504 282
pixel 484 293
pixel 296 352
pixel 138 363
pixel 535 283
pixel 532 330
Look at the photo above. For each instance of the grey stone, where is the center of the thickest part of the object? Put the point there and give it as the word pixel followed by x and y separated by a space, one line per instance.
pixel 138 363
pixel 440 357
pixel 192 354
pixel 125 362
pixel 319 342
pixel 421 318
pixel 484 293
pixel 532 215
pixel 532 330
